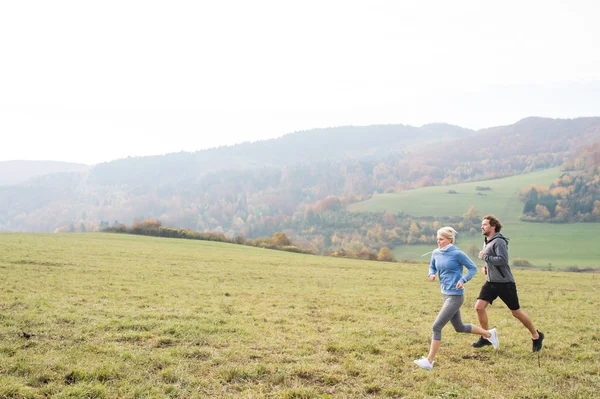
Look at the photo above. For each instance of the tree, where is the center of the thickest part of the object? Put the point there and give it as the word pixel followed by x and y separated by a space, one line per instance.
pixel 542 211
pixel 389 220
pixel 281 239
pixel 336 240
pixel 472 213
pixel 386 255
pixel 414 229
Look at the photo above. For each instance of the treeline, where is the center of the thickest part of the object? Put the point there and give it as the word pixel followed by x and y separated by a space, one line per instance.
pixel 279 240
pixel 573 197
pixel 332 232
pixel 337 230
pixel 150 227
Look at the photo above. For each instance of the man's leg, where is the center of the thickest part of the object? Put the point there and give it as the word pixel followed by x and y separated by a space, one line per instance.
pixel 537 338
pixel 480 307
pixel 523 318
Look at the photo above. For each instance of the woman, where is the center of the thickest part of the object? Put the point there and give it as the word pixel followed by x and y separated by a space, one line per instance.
pixel 448 261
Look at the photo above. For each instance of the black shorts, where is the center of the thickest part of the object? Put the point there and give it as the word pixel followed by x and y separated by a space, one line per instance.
pixel 506 291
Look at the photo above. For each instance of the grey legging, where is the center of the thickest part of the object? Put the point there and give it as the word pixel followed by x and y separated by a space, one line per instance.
pixel 450 313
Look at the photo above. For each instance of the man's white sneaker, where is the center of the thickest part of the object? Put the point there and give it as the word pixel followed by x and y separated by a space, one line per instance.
pixel 424 362
pixel 494 338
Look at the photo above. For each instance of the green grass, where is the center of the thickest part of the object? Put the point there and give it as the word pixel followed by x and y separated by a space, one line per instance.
pixel 543 244
pixel 115 316
pixel 436 201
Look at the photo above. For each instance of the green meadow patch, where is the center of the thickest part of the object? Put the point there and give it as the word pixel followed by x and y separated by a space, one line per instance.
pixel 542 244
pixel 118 316
pixel 454 200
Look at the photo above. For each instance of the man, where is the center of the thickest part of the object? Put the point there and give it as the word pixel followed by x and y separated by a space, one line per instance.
pixel 499 282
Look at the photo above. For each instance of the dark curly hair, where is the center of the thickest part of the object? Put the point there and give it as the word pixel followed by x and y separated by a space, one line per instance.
pixel 494 222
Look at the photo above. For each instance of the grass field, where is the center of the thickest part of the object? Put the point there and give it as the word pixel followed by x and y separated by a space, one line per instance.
pixel 114 316
pixel 543 244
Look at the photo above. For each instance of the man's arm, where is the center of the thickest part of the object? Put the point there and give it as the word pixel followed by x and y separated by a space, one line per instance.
pixel 501 257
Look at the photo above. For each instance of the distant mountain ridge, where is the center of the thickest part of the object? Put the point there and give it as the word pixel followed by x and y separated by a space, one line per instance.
pixel 529 136
pixel 316 145
pixel 17 172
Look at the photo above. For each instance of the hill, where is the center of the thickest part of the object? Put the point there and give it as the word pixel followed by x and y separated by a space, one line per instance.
pixel 130 316
pixel 500 196
pixel 18 172
pixel 559 245
pixel 305 147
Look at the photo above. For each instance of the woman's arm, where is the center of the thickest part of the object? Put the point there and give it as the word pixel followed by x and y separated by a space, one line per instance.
pixel 432 269
pixel 471 268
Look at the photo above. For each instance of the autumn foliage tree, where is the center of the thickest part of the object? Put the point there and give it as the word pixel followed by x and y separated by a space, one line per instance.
pixel 280 239
pixel 386 255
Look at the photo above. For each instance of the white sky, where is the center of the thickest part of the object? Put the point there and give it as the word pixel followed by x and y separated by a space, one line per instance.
pixel 90 82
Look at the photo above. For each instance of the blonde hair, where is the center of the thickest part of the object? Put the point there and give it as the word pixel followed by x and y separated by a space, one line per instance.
pixel 447 232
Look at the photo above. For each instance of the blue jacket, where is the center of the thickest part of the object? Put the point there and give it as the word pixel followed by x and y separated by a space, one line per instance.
pixel 448 265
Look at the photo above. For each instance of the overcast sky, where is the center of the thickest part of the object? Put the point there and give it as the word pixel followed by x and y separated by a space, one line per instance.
pixel 90 82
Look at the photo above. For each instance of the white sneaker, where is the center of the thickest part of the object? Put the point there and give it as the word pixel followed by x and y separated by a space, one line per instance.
pixel 494 338
pixel 424 362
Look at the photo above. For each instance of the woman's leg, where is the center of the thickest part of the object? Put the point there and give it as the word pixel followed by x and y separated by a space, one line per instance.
pixel 475 329
pixel 452 304
pixel 433 349
pixel 460 327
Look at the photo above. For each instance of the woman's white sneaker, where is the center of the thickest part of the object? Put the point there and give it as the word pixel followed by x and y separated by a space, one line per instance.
pixel 494 338
pixel 424 362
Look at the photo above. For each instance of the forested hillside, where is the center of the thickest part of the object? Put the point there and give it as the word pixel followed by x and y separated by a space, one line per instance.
pixel 296 184
pixel 574 197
